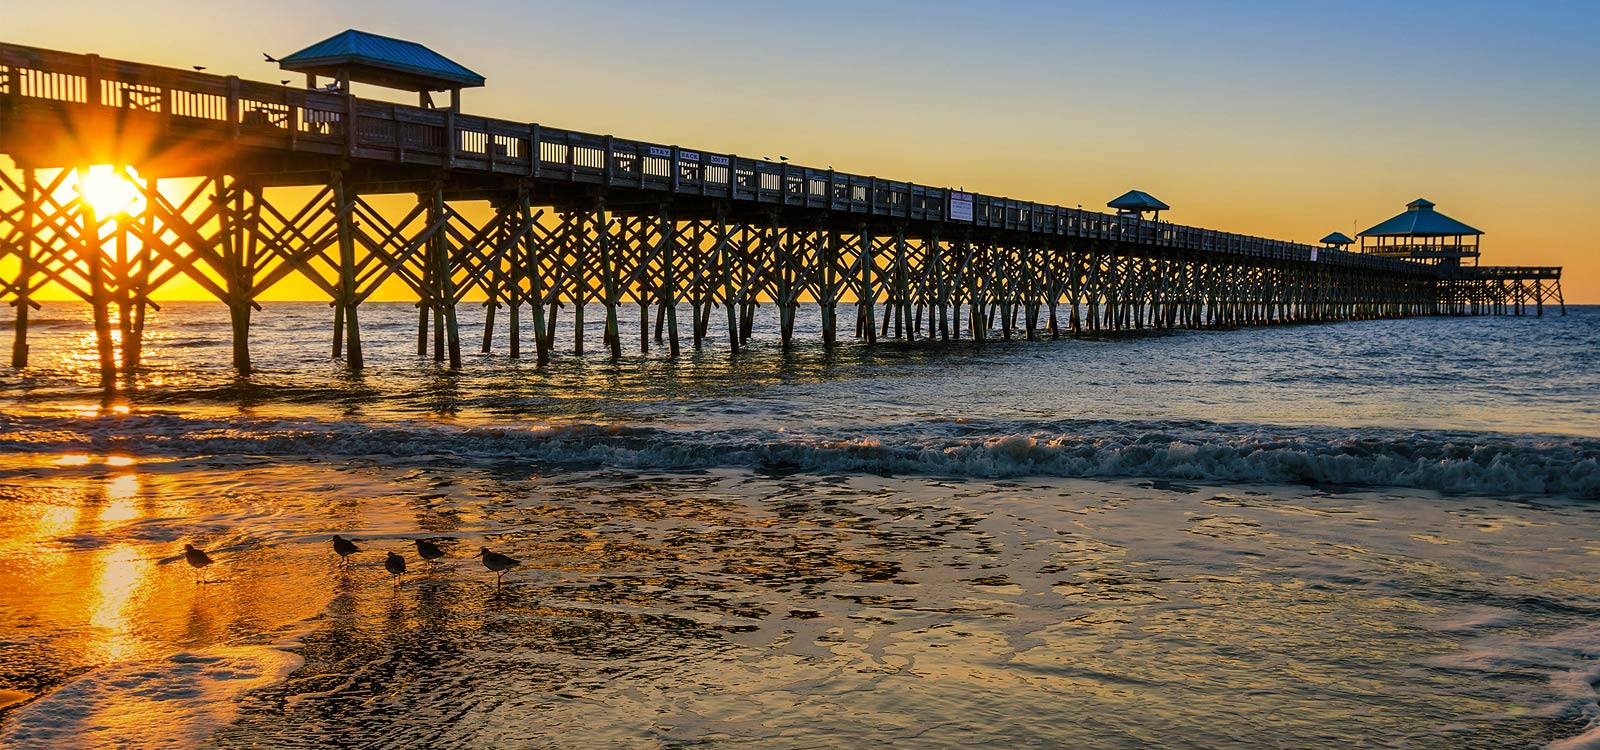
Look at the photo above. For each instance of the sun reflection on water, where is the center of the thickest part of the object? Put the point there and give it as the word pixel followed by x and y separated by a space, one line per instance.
pixel 122 495
pixel 122 573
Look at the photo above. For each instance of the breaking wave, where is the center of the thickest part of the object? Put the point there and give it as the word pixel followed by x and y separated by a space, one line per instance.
pixel 1447 462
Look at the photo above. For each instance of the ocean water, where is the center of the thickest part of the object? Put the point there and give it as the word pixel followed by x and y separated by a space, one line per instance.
pixel 1367 534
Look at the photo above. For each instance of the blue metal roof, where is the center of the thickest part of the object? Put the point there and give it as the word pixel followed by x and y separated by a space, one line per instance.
pixel 359 49
pixel 1137 200
pixel 1420 220
pixel 1337 238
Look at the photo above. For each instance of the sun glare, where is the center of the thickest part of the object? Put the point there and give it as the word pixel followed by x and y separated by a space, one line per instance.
pixel 111 193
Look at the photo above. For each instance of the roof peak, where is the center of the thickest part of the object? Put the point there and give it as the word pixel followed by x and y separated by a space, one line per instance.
pixel 1421 204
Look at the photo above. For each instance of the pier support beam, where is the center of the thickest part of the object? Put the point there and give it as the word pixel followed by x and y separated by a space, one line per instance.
pixel 345 320
pixel 27 228
pixel 668 290
pixel 91 252
pixel 238 270
pixel 437 293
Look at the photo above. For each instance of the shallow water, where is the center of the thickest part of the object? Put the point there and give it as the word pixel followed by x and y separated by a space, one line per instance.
pixel 1363 535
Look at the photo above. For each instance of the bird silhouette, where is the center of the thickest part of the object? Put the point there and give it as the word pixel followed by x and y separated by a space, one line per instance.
pixel 396 565
pixel 783 158
pixel 428 550
pixel 284 82
pixel 196 558
pixel 198 67
pixel 496 563
pixel 344 547
pixel 270 58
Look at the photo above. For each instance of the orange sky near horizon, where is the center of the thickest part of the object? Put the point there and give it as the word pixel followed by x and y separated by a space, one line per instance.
pixel 1241 123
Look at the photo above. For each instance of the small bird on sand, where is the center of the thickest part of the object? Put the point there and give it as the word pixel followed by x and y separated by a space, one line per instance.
pixel 196 558
pixel 396 565
pixel 428 550
pixel 496 563
pixel 344 547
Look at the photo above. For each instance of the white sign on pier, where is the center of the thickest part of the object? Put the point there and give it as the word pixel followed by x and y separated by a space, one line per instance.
pixel 960 206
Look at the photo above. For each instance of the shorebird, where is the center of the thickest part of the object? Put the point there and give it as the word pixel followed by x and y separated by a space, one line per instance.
pixel 196 558
pixel 396 565
pixel 344 547
pixel 428 550
pixel 496 563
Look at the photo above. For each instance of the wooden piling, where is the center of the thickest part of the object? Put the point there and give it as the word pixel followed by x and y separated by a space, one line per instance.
pixel 92 253
pixel 27 243
pixel 345 314
pixel 867 291
pixel 239 273
pixel 447 334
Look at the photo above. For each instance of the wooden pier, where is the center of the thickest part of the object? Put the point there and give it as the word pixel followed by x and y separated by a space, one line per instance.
pixel 242 185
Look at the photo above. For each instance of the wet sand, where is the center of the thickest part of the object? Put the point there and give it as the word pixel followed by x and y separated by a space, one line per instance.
pixel 732 608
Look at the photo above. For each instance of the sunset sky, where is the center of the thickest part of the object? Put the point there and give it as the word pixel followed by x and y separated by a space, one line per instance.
pixel 1288 120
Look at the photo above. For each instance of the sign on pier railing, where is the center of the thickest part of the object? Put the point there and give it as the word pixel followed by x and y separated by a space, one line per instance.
pixel 960 206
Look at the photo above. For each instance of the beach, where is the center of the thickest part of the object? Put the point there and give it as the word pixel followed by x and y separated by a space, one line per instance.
pixel 1369 534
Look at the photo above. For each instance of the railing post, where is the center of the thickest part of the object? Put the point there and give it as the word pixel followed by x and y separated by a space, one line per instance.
pixel 233 108
pixel 452 139
pixel 610 161
pixel 349 122
pixel 676 170
pixel 535 154
pixel 92 92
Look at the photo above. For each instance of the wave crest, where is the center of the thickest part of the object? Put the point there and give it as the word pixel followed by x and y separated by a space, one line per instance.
pixel 1449 462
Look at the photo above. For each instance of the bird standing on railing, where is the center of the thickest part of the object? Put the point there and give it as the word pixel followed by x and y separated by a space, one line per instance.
pixel 344 547
pixel 196 558
pixel 496 563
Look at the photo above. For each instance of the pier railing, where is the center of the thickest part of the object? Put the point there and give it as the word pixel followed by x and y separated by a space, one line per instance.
pixel 197 106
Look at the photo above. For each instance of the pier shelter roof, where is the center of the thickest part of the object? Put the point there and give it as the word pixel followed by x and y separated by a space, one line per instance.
pixel 382 61
pixel 1420 220
pixel 1137 200
pixel 1337 239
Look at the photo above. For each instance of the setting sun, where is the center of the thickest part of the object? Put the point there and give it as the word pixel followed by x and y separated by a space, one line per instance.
pixel 110 192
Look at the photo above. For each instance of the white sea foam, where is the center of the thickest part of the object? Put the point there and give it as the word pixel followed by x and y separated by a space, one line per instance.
pixel 1568 660
pixel 178 701
pixel 1457 463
